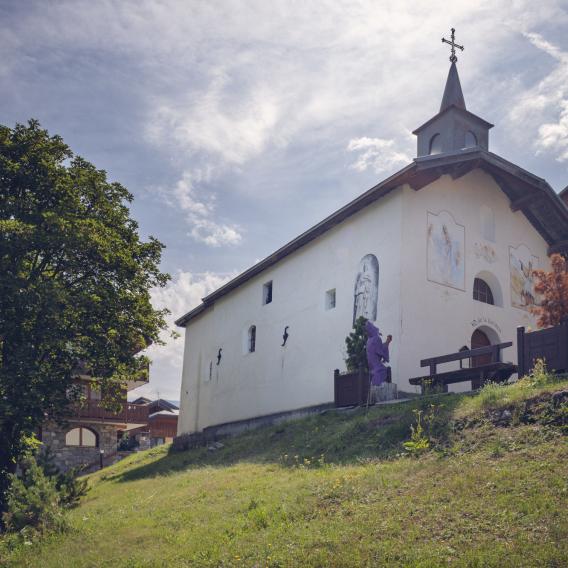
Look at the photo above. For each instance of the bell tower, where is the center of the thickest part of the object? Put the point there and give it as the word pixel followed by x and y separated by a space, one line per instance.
pixel 454 128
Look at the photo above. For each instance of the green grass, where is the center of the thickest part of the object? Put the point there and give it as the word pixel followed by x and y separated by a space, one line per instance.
pixel 486 496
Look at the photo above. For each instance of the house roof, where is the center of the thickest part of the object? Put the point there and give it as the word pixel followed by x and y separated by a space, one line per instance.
pixel 527 193
pixel 171 413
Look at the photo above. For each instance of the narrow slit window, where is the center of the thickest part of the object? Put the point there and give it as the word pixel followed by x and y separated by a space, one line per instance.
pixel 267 293
pixel 252 339
pixel 330 299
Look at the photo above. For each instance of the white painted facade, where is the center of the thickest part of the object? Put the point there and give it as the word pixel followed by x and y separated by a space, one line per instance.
pixel 425 318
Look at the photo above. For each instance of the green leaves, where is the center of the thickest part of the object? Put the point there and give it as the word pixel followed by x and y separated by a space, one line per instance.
pixel 356 343
pixel 74 280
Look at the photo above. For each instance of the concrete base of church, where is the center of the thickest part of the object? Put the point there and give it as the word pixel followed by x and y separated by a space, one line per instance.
pixel 212 433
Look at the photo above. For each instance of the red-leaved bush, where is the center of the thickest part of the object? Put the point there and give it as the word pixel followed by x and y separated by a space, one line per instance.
pixel 553 289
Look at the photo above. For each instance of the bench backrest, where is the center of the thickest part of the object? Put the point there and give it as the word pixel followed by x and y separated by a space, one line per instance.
pixel 490 349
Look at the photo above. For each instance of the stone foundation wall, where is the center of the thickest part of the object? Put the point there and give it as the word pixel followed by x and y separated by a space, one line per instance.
pixel 67 457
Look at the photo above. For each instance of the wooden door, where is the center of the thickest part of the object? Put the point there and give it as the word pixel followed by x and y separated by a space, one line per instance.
pixel 479 339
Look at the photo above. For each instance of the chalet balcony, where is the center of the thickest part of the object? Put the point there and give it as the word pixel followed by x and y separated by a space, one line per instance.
pixel 128 413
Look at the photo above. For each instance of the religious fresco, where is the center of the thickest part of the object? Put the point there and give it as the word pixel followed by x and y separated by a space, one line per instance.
pixel 446 251
pixel 485 251
pixel 366 293
pixel 521 266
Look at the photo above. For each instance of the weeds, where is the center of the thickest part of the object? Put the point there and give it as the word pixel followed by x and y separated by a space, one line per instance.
pixel 418 442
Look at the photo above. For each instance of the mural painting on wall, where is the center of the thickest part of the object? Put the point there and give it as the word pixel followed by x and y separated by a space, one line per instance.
pixel 366 294
pixel 485 251
pixel 446 251
pixel 522 264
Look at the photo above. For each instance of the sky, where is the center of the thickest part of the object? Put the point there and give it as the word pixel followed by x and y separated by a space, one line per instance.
pixel 237 125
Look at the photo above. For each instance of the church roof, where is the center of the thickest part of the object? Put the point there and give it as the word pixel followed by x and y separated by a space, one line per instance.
pixel 453 99
pixel 461 111
pixel 527 193
pixel 453 94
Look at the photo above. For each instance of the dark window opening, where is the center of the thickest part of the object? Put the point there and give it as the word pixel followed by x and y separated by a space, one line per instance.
pixel 252 339
pixel 267 293
pixel 482 292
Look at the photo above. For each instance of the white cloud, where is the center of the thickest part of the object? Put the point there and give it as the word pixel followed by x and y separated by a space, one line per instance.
pixel 199 211
pixel 215 234
pixel 554 136
pixel 376 153
pixel 544 107
pixel 181 295
pixel 227 128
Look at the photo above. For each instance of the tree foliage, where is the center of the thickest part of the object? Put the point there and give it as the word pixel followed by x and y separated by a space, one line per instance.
pixel 74 283
pixel 356 343
pixel 553 288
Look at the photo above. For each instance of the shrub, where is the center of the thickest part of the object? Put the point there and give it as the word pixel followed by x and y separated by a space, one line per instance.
pixel 356 343
pixel 69 487
pixel 33 500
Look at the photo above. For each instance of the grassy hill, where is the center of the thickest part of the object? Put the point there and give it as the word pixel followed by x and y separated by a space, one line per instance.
pixel 339 489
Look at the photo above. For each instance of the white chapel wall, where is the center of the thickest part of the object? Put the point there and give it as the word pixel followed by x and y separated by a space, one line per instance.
pixel 276 378
pixel 440 318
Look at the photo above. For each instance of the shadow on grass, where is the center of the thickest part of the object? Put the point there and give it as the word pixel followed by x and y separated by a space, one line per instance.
pixel 333 437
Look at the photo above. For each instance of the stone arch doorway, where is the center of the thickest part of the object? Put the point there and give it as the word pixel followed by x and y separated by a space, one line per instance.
pixel 482 337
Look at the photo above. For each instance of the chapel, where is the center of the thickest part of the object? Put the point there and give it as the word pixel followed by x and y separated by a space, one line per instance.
pixel 440 255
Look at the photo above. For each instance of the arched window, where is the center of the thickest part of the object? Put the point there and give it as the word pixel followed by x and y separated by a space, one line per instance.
pixel 435 144
pixel 482 292
pixel 470 139
pixel 81 437
pixel 252 339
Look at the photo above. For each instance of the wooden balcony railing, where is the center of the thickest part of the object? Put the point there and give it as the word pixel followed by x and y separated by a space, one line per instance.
pixel 128 413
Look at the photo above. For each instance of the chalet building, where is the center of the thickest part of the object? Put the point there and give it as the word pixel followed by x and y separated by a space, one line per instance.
pixel 161 427
pixel 91 432
pixel 440 255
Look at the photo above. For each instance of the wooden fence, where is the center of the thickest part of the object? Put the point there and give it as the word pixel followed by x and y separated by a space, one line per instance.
pixel 549 344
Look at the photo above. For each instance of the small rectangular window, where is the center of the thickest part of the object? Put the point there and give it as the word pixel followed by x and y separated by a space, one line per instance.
pixel 267 293
pixel 330 299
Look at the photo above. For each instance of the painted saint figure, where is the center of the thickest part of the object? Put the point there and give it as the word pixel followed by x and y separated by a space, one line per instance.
pixel 366 289
pixel 377 356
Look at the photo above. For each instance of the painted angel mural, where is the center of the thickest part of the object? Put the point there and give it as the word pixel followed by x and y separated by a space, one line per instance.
pixel 522 264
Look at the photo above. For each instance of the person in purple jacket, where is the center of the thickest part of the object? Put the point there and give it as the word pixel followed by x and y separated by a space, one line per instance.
pixel 377 356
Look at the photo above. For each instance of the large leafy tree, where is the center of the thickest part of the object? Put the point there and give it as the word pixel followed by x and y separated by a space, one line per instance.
pixel 74 283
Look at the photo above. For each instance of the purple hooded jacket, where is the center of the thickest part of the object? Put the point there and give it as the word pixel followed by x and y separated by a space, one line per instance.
pixel 377 353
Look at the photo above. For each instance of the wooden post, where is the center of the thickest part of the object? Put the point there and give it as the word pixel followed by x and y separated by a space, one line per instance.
pixel 335 385
pixel 521 351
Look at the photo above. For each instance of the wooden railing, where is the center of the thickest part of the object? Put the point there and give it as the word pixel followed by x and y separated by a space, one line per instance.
pixel 128 413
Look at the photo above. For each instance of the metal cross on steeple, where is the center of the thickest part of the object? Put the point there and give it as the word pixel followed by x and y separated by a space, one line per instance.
pixel 453 57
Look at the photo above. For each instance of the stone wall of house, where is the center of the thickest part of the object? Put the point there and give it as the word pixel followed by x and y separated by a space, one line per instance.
pixel 67 457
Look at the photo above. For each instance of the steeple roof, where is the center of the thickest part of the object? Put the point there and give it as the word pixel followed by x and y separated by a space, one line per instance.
pixel 453 94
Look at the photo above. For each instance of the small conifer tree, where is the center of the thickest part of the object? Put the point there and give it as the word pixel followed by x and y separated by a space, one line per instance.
pixel 33 501
pixel 356 343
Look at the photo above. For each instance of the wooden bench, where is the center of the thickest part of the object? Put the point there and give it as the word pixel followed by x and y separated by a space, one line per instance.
pixel 494 370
